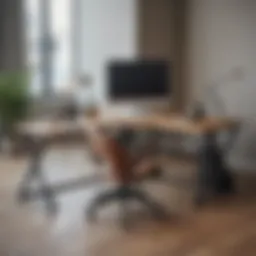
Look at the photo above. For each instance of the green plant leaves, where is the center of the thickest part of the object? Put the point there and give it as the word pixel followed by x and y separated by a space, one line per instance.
pixel 13 97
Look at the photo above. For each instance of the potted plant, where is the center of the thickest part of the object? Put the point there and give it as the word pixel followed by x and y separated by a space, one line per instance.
pixel 13 103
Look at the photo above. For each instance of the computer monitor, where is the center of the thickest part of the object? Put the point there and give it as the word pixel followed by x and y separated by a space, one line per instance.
pixel 138 80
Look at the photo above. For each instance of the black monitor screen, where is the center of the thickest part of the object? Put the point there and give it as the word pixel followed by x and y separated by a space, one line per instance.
pixel 145 79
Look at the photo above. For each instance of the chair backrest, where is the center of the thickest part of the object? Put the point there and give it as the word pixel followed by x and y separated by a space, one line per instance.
pixel 115 155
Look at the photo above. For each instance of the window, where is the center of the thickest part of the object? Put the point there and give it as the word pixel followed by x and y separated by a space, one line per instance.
pixel 48 25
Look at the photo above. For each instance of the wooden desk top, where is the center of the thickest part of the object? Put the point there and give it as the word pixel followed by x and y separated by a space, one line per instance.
pixel 168 123
pixel 171 123
pixel 47 129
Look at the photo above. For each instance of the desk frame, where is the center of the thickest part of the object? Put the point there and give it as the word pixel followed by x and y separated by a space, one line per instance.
pixel 213 175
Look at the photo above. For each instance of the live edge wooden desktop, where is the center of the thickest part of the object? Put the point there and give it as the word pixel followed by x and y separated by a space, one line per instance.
pixel 213 176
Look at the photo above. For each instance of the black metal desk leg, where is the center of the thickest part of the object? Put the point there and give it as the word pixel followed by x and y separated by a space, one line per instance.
pixel 214 177
pixel 35 174
pixel 32 174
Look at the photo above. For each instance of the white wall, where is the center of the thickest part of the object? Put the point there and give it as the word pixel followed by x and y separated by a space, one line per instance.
pixel 222 37
pixel 108 31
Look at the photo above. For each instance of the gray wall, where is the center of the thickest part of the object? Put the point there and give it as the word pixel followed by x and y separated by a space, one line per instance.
pixel 161 35
pixel 107 31
pixel 221 43
pixel 128 29
pixel 12 49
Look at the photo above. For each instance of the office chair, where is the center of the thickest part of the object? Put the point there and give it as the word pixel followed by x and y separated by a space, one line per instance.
pixel 126 173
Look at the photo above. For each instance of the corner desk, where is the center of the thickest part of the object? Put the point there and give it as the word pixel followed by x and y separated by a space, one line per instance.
pixel 213 175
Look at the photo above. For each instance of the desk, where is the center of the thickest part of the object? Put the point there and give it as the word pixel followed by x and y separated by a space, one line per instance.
pixel 40 135
pixel 169 123
pixel 213 175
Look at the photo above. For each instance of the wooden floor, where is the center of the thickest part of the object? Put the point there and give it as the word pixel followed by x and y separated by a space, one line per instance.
pixel 226 227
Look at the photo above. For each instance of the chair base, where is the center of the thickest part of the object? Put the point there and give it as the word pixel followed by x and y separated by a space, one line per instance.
pixel 124 194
